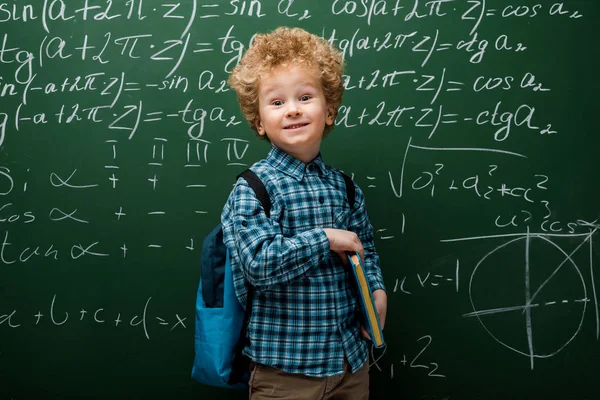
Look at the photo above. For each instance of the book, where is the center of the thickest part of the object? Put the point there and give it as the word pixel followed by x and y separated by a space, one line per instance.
pixel 369 311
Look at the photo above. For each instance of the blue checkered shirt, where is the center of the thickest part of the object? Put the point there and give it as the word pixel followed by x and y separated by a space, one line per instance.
pixel 305 316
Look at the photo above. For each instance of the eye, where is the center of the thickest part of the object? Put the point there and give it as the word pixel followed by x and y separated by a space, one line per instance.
pixel 305 98
pixel 276 102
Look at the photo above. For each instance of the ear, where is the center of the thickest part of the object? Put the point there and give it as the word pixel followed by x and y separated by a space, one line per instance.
pixel 259 127
pixel 330 115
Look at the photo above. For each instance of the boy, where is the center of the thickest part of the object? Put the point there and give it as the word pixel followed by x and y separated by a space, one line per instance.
pixel 305 338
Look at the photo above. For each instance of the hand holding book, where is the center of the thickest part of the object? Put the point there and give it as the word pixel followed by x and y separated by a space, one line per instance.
pixel 380 299
pixel 373 304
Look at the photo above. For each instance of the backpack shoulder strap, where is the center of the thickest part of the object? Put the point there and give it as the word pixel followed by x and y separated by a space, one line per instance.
pixel 240 362
pixel 259 188
pixel 350 189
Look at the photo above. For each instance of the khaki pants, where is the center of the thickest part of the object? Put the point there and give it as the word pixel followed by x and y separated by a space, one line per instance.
pixel 271 383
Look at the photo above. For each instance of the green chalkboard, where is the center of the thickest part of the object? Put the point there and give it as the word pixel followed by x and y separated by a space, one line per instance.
pixel 469 125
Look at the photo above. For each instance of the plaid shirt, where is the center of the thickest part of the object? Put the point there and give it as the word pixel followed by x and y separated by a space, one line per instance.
pixel 305 316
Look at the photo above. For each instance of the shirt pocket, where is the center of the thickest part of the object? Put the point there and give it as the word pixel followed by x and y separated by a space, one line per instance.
pixel 341 216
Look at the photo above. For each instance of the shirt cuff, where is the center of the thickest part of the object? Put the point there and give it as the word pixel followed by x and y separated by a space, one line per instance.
pixel 376 282
pixel 320 244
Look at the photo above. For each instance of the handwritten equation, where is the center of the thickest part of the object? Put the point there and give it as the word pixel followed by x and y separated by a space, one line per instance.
pixel 58 315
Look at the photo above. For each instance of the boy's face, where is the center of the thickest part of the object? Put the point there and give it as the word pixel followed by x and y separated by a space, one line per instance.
pixel 293 111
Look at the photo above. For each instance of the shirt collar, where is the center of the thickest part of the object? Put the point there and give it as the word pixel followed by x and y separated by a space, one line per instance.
pixel 293 167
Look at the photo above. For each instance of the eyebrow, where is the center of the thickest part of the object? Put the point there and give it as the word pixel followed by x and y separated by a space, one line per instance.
pixel 270 90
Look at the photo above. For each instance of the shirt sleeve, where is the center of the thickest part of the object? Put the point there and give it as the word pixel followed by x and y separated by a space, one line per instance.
pixel 360 224
pixel 265 256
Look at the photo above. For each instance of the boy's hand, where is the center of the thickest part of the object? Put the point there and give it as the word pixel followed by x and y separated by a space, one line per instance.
pixel 380 299
pixel 342 241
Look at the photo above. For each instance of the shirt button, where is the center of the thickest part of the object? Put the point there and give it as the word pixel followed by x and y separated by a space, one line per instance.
pixel 244 223
pixel 321 199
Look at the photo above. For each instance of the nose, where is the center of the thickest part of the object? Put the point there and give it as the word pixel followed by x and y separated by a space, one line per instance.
pixel 293 109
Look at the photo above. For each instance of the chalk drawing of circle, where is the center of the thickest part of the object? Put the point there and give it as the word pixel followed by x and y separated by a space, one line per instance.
pixel 481 282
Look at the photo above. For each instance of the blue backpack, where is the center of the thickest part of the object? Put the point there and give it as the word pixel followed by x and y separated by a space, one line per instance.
pixel 221 322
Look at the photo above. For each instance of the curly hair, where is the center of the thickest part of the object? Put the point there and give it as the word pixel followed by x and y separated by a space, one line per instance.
pixel 286 46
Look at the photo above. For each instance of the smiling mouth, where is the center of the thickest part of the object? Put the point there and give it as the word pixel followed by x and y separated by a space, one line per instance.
pixel 295 126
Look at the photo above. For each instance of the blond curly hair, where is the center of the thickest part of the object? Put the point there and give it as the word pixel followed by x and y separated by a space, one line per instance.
pixel 287 46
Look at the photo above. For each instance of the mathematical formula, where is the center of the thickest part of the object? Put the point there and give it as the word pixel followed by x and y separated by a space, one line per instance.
pixel 57 314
